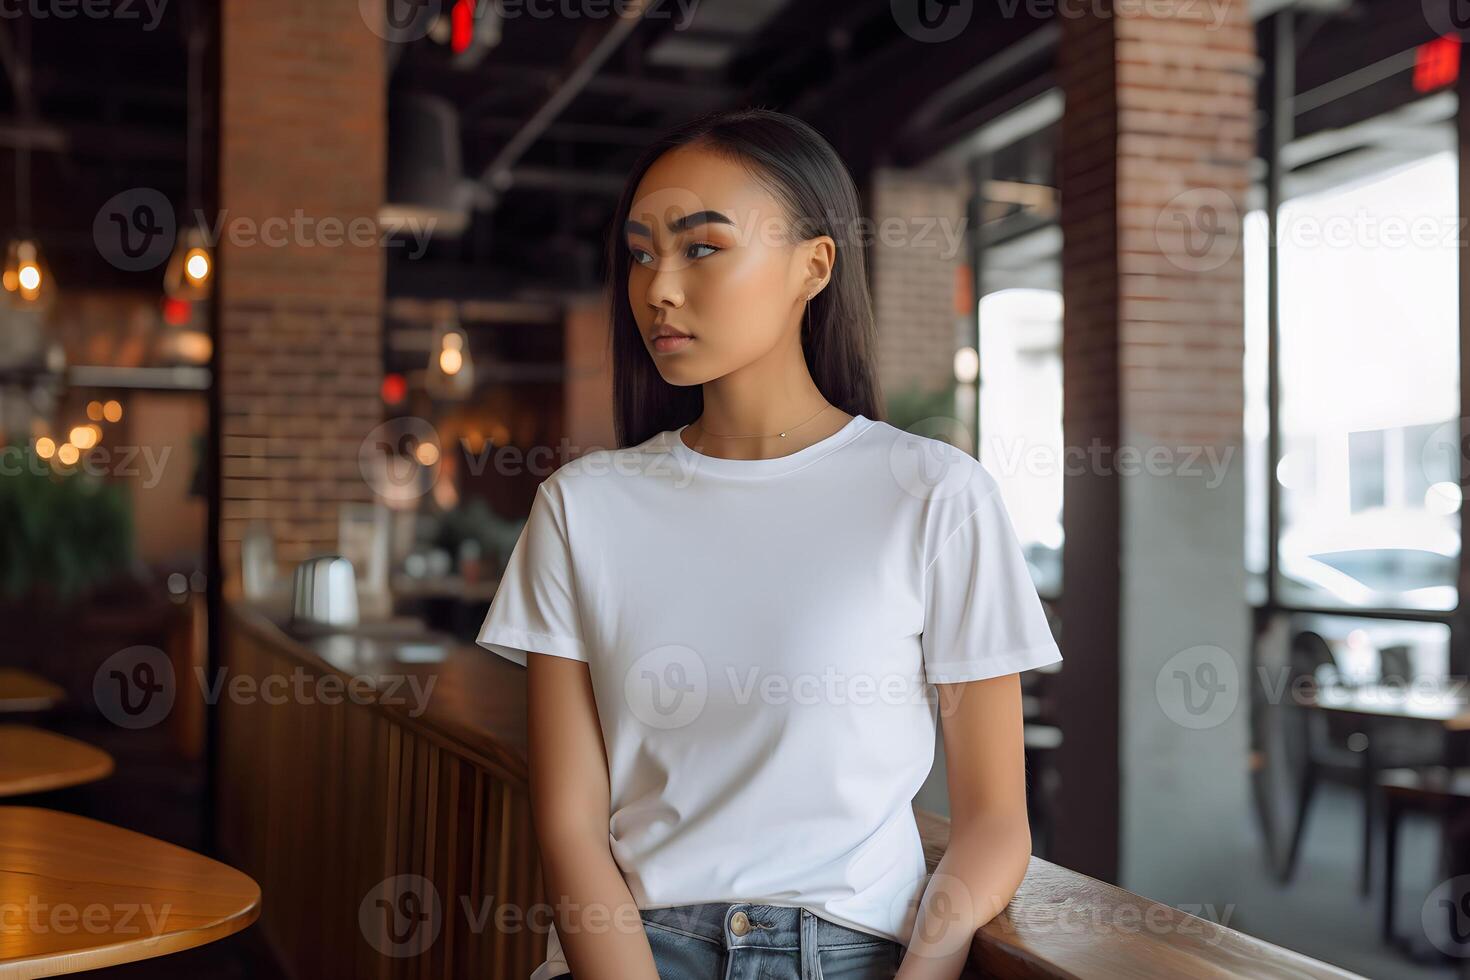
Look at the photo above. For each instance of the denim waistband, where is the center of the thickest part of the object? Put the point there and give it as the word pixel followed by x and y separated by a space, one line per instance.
pixel 768 926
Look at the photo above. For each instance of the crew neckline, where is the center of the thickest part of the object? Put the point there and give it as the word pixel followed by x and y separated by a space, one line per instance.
pixel 721 466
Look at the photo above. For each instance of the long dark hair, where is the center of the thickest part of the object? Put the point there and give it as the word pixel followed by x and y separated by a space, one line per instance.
pixel 804 173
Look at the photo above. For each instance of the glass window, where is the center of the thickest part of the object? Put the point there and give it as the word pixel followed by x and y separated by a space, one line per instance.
pixel 1021 419
pixel 1369 366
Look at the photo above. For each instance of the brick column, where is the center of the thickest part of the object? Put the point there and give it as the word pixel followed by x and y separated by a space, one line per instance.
pixel 1156 139
pixel 302 142
pixel 914 266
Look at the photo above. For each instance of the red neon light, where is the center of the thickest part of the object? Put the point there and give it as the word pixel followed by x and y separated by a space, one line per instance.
pixel 1436 63
pixel 461 25
pixel 394 388
pixel 177 312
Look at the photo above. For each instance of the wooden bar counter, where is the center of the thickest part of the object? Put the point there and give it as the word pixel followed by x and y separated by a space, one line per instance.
pixel 375 786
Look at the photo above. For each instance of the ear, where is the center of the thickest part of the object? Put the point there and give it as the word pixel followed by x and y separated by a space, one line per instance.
pixel 821 256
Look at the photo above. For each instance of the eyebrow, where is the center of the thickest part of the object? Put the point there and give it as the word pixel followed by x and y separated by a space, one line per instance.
pixel 679 224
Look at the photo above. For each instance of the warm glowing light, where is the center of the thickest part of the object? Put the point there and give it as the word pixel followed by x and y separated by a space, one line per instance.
pixel 196 264
pixel 427 453
pixel 453 341
pixel 84 436
pixel 45 447
pixel 29 277
pixel 193 345
pixel 94 410
pixel 112 411
pixel 450 360
pixel 67 453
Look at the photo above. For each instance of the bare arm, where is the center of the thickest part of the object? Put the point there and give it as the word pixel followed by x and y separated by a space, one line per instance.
pixel 990 839
pixel 596 918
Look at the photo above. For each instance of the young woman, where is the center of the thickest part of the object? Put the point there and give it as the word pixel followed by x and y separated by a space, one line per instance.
pixel 745 616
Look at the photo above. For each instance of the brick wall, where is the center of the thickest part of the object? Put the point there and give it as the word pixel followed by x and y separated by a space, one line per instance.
pixel 302 133
pixel 1156 140
pixel 914 279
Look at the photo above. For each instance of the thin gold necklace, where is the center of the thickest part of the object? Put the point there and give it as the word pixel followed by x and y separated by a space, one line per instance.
pixel 703 432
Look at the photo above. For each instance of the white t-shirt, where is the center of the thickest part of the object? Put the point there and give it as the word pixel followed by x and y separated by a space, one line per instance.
pixel 762 638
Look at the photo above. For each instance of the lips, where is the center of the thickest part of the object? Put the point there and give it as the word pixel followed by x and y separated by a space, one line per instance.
pixel 668 338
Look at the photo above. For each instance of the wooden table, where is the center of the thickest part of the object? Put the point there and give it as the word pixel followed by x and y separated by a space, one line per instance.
pixel 76 895
pixel 1447 706
pixel 1441 706
pixel 33 761
pixel 20 690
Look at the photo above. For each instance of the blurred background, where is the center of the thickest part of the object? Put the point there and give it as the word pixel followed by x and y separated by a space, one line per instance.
pixel 286 280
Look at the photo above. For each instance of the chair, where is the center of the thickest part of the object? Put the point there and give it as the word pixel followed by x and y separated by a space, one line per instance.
pixel 1394 665
pixel 1349 749
pixel 1438 791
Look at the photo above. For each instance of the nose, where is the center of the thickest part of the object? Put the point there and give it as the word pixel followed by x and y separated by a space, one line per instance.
pixel 664 289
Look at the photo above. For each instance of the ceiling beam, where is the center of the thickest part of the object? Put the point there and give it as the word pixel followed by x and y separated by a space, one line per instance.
pixel 603 40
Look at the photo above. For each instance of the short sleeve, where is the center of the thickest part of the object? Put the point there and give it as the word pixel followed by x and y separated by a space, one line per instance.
pixel 982 615
pixel 535 608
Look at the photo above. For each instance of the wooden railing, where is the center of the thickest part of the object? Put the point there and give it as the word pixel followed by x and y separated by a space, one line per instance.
pixel 346 813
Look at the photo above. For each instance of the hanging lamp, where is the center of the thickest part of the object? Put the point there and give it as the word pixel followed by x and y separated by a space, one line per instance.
pixel 189 274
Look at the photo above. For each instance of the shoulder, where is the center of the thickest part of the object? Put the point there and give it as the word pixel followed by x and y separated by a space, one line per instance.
pixel 590 474
pixel 929 467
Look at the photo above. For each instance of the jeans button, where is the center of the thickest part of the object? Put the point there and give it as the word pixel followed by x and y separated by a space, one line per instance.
pixel 739 923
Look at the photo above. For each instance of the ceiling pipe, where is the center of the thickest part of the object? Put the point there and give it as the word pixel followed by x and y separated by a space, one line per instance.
pixel 498 175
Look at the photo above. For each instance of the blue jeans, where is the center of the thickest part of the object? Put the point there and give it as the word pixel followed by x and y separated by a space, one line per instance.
pixel 746 941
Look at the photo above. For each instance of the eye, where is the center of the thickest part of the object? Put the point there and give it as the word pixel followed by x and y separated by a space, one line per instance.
pixel 635 252
pixel 712 248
